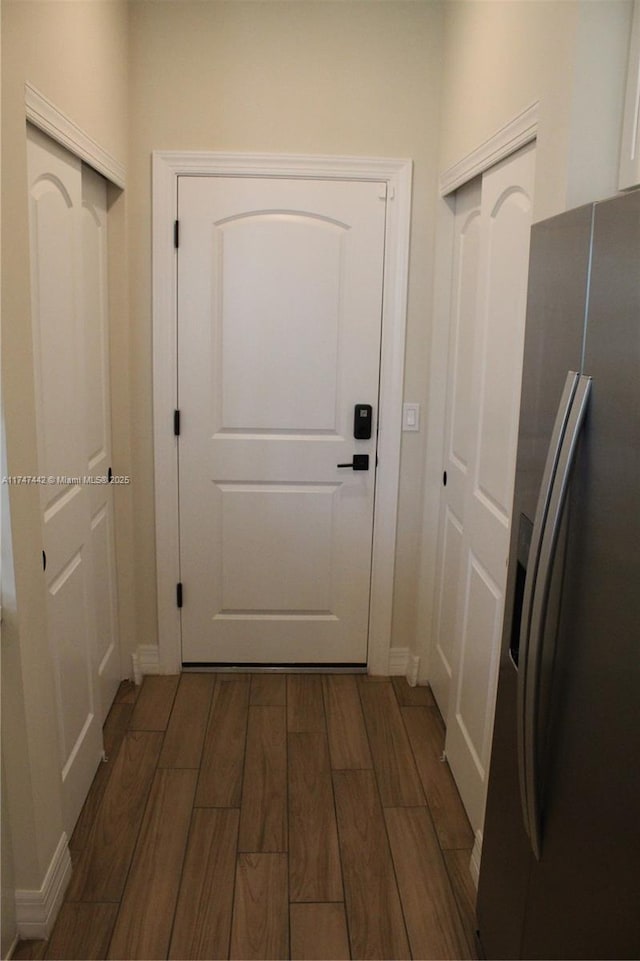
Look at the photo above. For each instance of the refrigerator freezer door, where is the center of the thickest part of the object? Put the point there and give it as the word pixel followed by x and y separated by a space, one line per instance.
pixel 542 625
pixel 584 894
pixel 531 592
pixel 556 308
pixel 559 262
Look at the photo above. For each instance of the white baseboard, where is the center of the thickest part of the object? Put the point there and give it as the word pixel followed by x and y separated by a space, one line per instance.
pixel 402 663
pixel 145 660
pixel 398 660
pixel 36 911
pixel 9 953
pixel 413 668
pixel 476 854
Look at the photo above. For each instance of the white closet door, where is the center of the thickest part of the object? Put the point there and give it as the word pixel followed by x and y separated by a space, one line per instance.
pixel 458 448
pixel 484 404
pixel 55 197
pixel 68 214
pixel 94 311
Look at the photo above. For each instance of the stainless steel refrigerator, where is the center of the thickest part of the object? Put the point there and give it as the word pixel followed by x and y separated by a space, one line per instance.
pixel 560 866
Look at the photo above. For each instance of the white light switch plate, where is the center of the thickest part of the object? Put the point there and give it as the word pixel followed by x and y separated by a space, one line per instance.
pixel 411 416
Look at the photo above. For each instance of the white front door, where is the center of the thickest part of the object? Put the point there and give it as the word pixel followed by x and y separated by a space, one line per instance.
pixel 492 241
pixel 279 323
pixel 55 199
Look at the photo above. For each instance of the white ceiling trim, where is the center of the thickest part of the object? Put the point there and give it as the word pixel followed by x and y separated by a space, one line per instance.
pixel 47 117
pixel 505 141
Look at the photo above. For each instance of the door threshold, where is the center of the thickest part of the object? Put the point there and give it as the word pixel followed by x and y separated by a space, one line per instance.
pixel 260 668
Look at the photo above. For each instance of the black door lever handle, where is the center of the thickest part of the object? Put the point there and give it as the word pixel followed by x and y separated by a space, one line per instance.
pixel 359 462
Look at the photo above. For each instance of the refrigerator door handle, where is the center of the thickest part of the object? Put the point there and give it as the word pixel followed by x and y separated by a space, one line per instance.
pixel 557 502
pixel 540 520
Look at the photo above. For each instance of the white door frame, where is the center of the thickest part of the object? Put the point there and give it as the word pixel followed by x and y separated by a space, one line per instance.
pixel 167 167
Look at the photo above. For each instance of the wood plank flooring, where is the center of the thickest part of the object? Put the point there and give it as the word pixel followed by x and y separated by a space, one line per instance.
pixel 268 816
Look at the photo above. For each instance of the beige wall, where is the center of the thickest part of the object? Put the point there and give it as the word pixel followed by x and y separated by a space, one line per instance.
pixel 330 78
pixel 597 104
pixel 570 55
pixel 76 55
pixel 7 901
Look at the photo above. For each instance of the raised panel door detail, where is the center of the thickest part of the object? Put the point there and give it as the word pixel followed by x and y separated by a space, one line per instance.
pixel 103 568
pixel 53 214
pixel 478 660
pixel 96 360
pixel 255 518
pixel 261 313
pixel 462 415
pixel 505 304
pixel 69 612
pixel 445 630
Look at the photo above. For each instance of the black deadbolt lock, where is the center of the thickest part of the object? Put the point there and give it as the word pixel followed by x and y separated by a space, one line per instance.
pixel 362 417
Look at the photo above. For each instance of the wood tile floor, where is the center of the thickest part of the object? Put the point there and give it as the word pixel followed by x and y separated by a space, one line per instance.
pixel 269 816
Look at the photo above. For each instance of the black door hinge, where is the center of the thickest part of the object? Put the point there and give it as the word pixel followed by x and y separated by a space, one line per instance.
pixel 176 423
pixel 444 479
pixel 179 594
pixel 176 233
